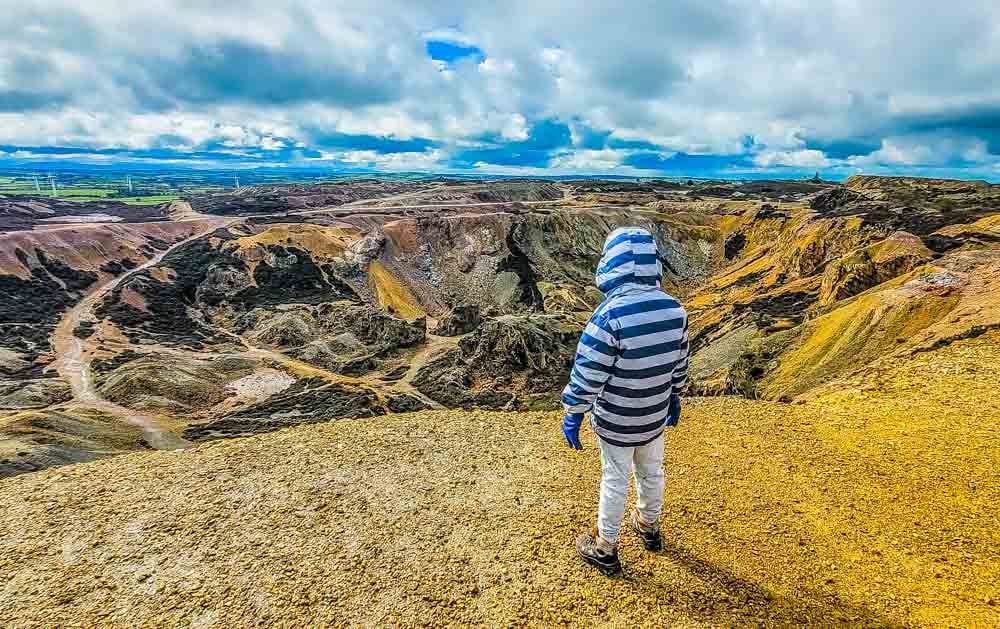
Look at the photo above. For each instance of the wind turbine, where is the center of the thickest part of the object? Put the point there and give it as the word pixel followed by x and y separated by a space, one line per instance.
pixel 128 182
pixel 236 179
pixel 52 182
pixel 38 188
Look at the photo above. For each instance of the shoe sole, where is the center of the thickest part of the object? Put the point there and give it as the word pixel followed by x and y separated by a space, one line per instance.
pixel 606 570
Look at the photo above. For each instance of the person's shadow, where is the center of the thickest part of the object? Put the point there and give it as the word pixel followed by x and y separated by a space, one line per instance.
pixel 751 604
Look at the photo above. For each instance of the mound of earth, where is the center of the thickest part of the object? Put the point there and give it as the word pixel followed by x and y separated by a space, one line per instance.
pixel 872 265
pixel 25 394
pixel 36 439
pixel 865 507
pixel 174 384
pixel 343 337
pixel 306 401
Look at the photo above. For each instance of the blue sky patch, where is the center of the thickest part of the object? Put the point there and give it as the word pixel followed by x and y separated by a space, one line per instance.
pixel 449 52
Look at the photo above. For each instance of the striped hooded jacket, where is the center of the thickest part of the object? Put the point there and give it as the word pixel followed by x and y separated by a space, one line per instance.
pixel 633 353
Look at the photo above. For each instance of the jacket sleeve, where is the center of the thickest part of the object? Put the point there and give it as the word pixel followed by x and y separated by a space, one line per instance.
pixel 680 379
pixel 595 357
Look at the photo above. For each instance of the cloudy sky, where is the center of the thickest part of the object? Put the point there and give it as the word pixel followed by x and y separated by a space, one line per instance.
pixel 729 87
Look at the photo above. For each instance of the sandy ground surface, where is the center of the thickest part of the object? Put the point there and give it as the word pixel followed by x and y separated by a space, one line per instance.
pixel 877 505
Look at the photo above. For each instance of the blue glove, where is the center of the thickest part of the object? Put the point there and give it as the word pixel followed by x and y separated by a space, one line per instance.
pixel 571 429
pixel 674 410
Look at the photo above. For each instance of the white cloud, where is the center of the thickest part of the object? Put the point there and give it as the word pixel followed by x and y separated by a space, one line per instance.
pixel 688 76
pixel 803 158
pixel 603 160
pixel 516 128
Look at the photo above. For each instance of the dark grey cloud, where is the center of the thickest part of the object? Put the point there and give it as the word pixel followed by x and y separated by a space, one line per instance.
pixel 239 71
pixel 14 100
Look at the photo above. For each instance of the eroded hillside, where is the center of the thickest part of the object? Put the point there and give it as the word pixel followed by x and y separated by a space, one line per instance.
pixel 230 314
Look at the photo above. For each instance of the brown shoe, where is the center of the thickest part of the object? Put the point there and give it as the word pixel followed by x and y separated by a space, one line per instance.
pixel 649 534
pixel 599 553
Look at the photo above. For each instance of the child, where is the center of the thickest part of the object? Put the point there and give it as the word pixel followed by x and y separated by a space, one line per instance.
pixel 630 368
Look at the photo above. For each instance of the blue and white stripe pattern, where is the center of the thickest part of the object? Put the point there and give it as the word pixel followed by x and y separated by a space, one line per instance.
pixel 633 353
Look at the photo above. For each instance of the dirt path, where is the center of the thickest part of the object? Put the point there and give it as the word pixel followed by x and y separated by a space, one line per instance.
pixel 73 358
pixel 432 348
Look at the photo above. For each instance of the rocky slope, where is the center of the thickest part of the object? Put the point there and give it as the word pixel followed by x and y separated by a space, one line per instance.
pixel 363 298
pixel 876 504
pixel 814 292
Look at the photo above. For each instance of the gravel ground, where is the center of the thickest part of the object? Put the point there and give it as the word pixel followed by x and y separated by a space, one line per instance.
pixel 876 505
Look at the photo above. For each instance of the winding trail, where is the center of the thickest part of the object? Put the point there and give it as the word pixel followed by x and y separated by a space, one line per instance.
pixel 73 358
pixel 73 362
pixel 433 346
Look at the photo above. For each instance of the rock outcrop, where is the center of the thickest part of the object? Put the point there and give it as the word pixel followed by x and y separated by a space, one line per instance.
pixel 864 268
pixel 462 319
pixel 509 361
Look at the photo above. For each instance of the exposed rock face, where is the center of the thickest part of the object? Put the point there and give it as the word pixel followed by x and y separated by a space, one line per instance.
pixel 792 273
pixel 867 267
pixel 507 263
pixel 507 361
pixel 955 297
pixel 12 362
pixel 450 380
pixel 343 337
pixel 43 273
pixel 462 319
pixel 404 403
pixel 836 199
pixel 569 299
pixel 982 234
pixel 280 329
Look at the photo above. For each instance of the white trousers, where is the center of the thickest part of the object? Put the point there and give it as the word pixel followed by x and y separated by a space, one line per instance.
pixel 617 464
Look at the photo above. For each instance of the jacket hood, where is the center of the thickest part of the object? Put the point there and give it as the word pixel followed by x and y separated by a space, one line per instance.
pixel 630 259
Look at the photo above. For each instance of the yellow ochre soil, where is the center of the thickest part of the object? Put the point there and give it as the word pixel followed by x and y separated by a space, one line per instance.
pixel 875 504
